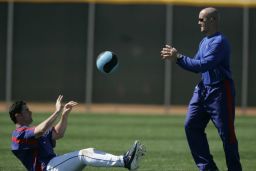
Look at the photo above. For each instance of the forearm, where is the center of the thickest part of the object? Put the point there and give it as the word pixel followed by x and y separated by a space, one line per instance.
pixel 185 65
pixel 198 65
pixel 203 60
pixel 61 127
pixel 45 125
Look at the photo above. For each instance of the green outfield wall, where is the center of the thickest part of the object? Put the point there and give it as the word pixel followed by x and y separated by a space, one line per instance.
pixel 50 50
pixel 240 3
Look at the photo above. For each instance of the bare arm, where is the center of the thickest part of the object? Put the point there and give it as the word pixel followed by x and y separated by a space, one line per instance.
pixel 61 126
pixel 48 123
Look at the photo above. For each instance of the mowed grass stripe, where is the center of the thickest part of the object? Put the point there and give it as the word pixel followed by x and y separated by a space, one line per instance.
pixel 164 137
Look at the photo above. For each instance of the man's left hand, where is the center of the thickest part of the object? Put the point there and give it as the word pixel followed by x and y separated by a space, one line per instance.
pixel 69 106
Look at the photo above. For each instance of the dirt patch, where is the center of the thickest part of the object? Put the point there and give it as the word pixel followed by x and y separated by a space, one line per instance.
pixel 121 109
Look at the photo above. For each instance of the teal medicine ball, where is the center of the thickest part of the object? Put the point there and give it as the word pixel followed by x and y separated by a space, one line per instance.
pixel 107 62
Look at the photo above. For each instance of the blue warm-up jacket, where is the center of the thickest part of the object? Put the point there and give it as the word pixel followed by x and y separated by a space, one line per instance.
pixel 212 59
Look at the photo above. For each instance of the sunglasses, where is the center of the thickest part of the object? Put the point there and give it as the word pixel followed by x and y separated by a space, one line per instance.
pixel 201 19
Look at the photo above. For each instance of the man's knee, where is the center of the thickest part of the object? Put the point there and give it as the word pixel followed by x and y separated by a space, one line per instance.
pixel 191 126
pixel 188 125
pixel 86 152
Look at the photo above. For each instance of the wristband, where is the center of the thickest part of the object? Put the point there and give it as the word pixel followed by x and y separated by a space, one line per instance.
pixel 179 55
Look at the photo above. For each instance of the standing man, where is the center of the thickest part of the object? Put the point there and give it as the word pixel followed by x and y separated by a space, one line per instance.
pixel 33 146
pixel 214 96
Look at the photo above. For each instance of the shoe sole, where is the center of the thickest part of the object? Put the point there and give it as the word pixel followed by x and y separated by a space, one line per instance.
pixel 139 152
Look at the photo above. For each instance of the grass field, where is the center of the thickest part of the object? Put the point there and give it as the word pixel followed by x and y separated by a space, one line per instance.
pixel 163 136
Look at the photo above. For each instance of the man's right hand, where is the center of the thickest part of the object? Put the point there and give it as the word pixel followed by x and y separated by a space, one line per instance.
pixel 59 105
pixel 169 52
pixel 48 123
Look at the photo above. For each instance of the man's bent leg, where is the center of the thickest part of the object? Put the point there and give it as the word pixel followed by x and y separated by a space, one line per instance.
pixel 77 160
pixel 96 158
pixel 66 162
pixel 195 124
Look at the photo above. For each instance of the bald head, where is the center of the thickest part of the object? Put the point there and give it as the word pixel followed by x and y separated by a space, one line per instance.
pixel 211 12
pixel 208 20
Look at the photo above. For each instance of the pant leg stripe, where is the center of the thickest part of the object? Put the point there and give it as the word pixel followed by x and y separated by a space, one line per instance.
pixel 80 156
pixel 231 112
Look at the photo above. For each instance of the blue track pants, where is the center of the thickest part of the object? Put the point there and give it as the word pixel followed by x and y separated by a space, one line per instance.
pixel 216 103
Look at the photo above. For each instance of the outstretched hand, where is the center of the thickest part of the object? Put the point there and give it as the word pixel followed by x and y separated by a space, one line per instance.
pixel 169 52
pixel 59 105
pixel 69 106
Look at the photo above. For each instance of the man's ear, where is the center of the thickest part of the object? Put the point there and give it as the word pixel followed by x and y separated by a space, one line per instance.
pixel 18 115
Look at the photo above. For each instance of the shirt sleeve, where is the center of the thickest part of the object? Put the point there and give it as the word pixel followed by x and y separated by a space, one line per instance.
pixel 25 132
pixel 197 54
pixel 24 138
pixel 209 60
pixel 29 133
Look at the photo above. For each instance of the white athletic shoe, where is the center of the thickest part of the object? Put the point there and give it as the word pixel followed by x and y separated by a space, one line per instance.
pixel 133 156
